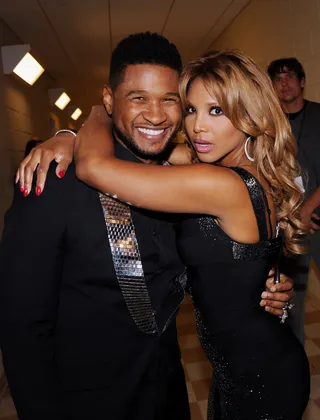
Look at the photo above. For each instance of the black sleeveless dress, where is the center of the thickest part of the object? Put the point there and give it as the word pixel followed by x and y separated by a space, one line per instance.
pixel 261 371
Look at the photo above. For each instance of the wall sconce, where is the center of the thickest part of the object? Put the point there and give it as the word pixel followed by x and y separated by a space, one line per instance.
pixel 76 114
pixel 17 59
pixel 59 98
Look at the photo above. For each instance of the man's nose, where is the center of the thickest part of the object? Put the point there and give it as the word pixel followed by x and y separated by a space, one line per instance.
pixel 155 114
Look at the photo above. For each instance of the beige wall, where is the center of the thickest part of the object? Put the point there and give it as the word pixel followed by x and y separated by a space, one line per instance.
pixel 270 29
pixel 24 114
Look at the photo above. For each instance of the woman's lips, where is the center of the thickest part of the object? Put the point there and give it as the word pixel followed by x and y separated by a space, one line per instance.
pixel 202 146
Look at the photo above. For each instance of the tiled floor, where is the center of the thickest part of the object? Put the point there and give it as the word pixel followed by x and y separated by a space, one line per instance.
pixel 198 369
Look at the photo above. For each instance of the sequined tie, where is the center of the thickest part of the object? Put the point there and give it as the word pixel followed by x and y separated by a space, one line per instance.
pixel 127 263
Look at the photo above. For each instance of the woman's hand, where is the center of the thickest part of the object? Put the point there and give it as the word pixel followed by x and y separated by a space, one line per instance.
pixel 59 149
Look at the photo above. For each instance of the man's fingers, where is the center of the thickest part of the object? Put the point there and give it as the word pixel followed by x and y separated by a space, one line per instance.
pixel 277 303
pixel 62 167
pixel 271 274
pixel 274 311
pixel 314 227
pixel 285 284
pixel 279 297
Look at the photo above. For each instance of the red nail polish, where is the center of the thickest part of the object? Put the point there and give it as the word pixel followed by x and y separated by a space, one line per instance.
pixel 61 174
pixel 21 188
pixel 38 191
pixel 25 192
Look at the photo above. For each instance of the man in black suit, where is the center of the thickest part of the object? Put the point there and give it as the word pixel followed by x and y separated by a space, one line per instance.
pixel 90 287
pixel 289 78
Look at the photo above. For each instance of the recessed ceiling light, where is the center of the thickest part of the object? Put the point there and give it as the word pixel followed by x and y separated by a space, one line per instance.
pixel 62 101
pixel 28 69
pixel 76 114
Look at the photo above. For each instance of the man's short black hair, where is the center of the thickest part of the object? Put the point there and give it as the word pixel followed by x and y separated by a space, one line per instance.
pixel 142 48
pixel 282 65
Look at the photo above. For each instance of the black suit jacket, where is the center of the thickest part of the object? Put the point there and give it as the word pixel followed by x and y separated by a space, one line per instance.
pixel 309 158
pixel 64 324
pixel 309 146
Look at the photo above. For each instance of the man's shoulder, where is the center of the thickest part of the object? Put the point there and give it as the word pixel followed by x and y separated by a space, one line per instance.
pixel 53 181
pixel 313 106
pixel 69 184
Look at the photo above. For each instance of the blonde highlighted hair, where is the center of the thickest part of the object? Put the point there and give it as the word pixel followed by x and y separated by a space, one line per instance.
pixel 246 96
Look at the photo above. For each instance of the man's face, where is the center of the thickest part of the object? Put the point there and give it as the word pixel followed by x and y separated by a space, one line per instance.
pixel 288 86
pixel 145 108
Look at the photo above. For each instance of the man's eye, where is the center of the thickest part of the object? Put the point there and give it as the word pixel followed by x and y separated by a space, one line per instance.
pixel 138 98
pixel 171 100
pixel 216 110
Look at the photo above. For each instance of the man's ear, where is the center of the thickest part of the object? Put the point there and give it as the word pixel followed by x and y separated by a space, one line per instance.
pixel 108 99
pixel 302 83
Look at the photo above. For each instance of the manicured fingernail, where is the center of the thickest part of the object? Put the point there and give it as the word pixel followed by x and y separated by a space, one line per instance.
pixel 21 188
pixel 263 303
pixel 273 289
pixel 25 192
pixel 38 191
pixel 61 174
pixel 267 308
pixel 264 295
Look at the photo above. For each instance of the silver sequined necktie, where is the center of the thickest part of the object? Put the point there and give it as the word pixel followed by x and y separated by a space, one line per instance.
pixel 127 263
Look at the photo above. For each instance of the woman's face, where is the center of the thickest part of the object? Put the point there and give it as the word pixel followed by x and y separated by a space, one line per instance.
pixel 212 134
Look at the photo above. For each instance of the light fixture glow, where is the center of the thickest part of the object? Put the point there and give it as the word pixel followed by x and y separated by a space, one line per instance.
pixel 76 114
pixel 62 101
pixel 28 69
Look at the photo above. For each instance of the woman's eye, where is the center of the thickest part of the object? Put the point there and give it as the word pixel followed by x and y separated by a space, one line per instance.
pixel 190 110
pixel 216 110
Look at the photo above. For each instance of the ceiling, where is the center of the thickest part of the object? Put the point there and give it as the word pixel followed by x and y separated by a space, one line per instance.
pixel 73 39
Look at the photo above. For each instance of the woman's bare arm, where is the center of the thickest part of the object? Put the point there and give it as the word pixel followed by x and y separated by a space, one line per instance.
pixel 181 155
pixel 195 188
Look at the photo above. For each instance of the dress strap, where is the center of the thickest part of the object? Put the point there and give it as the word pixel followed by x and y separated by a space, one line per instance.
pixel 259 202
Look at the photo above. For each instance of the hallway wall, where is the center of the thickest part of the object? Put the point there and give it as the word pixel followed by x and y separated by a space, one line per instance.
pixel 270 29
pixel 24 114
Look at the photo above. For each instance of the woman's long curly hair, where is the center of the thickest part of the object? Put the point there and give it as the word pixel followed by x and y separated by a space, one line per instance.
pixel 246 95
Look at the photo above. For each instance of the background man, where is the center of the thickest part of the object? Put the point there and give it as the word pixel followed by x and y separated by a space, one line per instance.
pixel 288 77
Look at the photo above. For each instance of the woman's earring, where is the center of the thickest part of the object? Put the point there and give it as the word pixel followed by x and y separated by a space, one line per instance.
pixel 246 151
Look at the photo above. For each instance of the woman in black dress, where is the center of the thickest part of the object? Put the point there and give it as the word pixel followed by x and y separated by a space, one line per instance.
pixel 229 240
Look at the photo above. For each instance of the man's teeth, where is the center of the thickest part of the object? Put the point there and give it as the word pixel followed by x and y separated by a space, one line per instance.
pixel 150 132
